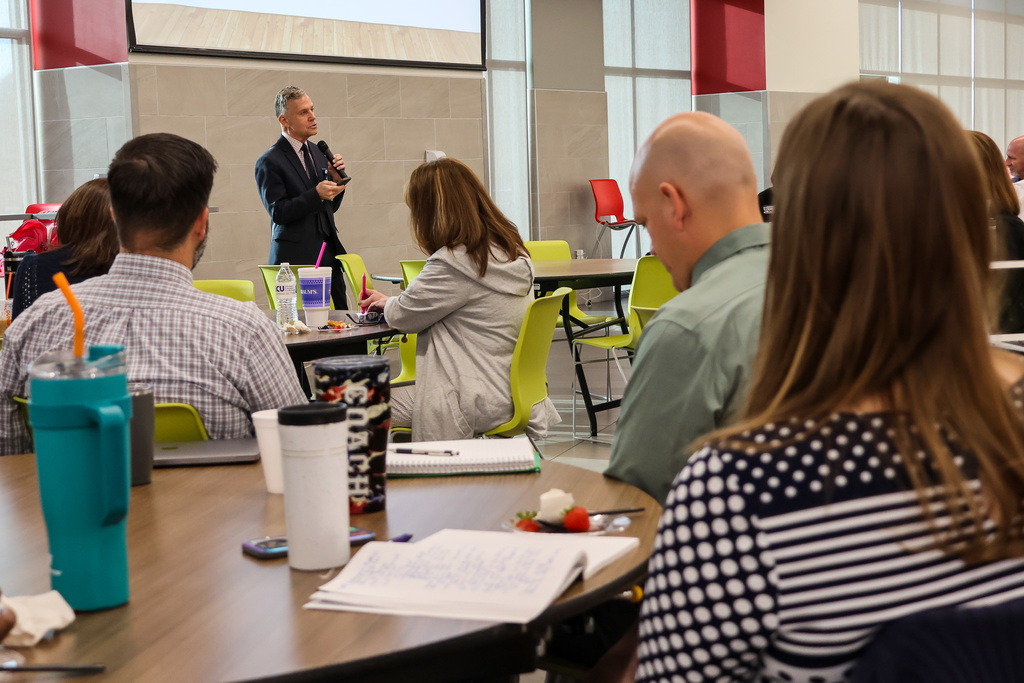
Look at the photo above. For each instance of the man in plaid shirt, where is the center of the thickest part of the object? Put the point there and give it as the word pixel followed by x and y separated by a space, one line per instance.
pixel 222 356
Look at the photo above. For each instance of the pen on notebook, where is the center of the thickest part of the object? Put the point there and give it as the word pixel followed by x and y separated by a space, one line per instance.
pixel 421 451
pixel 402 538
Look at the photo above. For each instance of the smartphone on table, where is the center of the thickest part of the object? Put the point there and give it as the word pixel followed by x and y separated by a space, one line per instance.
pixel 273 547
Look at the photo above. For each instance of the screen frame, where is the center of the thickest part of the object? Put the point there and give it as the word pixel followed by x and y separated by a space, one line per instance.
pixel 135 47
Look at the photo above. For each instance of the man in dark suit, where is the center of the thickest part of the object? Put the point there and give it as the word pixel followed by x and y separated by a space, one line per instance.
pixel 300 189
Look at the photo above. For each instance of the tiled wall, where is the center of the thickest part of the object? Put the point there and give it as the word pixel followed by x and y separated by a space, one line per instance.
pixel 380 122
pixel 571 148
pixel 748 112
pixel 84 116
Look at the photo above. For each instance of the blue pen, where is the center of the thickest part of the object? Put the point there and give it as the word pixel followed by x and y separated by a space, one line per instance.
pixel 401 538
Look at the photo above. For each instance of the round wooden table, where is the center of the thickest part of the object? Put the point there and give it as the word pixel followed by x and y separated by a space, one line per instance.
pixel 200 610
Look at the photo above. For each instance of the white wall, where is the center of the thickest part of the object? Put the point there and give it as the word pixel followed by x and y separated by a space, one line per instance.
pixel 811 45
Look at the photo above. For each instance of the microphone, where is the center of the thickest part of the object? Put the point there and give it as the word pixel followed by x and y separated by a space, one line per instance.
pixel 322 146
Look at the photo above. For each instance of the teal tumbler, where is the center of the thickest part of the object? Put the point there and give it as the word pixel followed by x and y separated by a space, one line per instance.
pixel 79 410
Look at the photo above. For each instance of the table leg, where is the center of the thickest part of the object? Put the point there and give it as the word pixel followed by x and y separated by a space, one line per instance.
pixel 581 375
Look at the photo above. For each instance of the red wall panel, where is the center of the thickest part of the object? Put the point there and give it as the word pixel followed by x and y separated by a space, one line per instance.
pixel 78 33
pixel 727 46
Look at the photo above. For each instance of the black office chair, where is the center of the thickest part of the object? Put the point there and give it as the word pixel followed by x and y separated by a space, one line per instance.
pixel 948 645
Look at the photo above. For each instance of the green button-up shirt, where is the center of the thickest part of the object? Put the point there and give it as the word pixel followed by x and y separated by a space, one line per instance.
pixel 693 362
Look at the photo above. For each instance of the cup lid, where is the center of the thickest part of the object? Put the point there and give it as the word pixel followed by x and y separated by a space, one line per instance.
pixel 312 414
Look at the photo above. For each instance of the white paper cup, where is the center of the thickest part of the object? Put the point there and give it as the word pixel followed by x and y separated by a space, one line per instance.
pixel 315 288
pixel 316 317
pixel 265 422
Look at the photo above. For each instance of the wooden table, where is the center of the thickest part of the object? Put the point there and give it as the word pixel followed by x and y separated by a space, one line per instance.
pixel 303 348
pixel 200 610
pixel 584 274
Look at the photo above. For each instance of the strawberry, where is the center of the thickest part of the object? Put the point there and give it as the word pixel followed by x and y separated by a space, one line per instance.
pixel 576 519
pixel 526 521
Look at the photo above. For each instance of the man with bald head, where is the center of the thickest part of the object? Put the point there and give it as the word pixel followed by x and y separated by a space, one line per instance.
pixel 694 187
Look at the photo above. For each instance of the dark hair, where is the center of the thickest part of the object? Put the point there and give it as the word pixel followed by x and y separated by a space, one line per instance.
pixel 86 228
pixel 159 184
pixel 993 171
pixel 872 295
pixel 286 95
pixel 450 207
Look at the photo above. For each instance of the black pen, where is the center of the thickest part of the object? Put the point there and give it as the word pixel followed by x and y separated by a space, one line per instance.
pixel 422 451
pixel 14 667
pixel 620 511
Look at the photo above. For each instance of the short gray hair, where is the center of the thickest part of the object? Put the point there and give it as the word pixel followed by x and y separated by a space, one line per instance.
pixel 286 95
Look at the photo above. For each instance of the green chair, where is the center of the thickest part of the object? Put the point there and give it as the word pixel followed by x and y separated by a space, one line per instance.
pixel 269 274
pixel 355 271
pixel 652 286
pixel 529 361
pixel 239 290
pixel 558 250
pixel 410 269
pixel 178 422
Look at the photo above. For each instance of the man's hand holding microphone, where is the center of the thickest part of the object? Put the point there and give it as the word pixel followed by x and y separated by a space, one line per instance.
pixel 334 183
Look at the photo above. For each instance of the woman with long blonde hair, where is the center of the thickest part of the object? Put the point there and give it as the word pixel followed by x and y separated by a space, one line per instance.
pixel 879 469
pixel 467 306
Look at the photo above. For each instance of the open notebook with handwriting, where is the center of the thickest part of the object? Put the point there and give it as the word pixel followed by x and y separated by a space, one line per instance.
pixel 466 456
pixel 461 574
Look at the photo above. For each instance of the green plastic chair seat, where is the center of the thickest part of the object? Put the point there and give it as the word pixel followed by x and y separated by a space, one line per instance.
pixel 529 361
pixel 239 290
pixel 178 422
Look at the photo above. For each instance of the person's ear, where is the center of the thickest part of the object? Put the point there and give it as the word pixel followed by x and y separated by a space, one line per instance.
pixel 201 224
pixel 283 121
pixel 678 203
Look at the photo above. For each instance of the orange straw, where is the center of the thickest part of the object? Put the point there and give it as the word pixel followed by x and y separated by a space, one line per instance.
pixel 76 308
pixel 10 279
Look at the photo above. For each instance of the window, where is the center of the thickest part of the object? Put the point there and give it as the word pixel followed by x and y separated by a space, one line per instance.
pixel 507 120
pixel 17 138
pixel 969 53
pixel 647 79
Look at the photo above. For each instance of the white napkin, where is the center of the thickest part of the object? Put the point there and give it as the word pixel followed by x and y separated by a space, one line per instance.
pixel 37 616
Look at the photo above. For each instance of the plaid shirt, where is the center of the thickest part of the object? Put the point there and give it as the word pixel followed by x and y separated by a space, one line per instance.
pixel 222 356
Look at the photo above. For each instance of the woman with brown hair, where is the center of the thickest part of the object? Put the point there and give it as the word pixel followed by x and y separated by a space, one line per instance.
pixel 1003 206
pixel 88 245
pixel 467 306
pixel 879 468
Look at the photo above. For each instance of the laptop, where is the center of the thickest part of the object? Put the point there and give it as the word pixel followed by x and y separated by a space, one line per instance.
pixel 211 452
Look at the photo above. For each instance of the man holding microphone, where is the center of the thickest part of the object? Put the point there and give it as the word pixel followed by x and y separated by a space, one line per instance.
pixel 301 189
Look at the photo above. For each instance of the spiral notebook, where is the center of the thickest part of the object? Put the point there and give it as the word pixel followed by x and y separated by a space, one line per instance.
pixel 467 456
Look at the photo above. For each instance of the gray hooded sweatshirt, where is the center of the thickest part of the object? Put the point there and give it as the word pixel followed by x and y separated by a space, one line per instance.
pixel 467 328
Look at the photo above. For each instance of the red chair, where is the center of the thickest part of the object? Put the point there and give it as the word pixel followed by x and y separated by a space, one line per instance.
pixel 36 233
pixel 608 203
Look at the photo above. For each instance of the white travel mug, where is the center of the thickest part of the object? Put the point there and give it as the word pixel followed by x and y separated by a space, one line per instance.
pixel 314 452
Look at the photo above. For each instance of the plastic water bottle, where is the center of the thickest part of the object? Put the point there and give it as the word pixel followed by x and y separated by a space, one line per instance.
pixel 284 286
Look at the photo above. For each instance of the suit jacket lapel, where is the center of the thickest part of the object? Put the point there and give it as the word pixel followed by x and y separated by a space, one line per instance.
pixel 295 161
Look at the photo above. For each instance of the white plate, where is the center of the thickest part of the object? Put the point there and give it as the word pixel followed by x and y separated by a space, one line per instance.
pixel 599 525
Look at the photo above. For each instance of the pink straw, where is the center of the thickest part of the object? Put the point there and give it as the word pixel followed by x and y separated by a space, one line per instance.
pixel 322 247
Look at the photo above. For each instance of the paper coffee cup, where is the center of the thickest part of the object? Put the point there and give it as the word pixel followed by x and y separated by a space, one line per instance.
pixel 265 422
pixel 315 317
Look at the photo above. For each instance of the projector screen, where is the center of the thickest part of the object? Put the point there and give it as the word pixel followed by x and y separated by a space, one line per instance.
pixel 439 33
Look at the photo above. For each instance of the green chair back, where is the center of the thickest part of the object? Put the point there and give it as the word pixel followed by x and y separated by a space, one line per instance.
pixel 269 274
pixel 239 290
pixel 178 422
pixel 407 354
pixel 558 250
pixel 410 269
pixel 529 361
pixel 355 270
pixel 652 287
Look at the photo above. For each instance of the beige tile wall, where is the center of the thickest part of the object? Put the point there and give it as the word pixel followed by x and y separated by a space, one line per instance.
pixel 571 148
pixel 83 117
pixel 381 123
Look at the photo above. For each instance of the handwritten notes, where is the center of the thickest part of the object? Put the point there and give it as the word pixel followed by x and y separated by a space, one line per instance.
pixel 495 577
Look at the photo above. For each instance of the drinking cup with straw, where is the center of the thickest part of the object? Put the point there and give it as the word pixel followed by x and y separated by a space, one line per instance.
pixel 315 289
pixel 80 410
